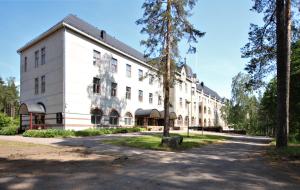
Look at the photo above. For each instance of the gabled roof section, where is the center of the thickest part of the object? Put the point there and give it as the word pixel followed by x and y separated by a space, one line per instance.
pixel 188 70
pixel 93 31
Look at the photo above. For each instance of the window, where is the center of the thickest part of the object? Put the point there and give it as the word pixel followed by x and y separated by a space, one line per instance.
pixel 186 120
pixel 195 106
pixel 180 86
pixel 179 120
pixel 96 85
pixel 150 98
pixel 180 102
pixel 43 56
pixel 36 59
pixel 114 65
pixel 193 91
pixel 59 118
pixel 43 84
pixel 96 116
pixel 128 70
pixel 151 79
pixel 25 64
pixel 140 95
pixel 128 93
pixel 36 85
pixel 128 118
pixel 185 85
pixel 140 75
pixel 114 117
pixel 114 89
pixel 96 57
pixel 159 100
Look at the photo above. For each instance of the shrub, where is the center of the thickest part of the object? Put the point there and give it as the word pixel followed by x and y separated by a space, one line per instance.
pixel 5 121
pixel 10 130
pixel 49 133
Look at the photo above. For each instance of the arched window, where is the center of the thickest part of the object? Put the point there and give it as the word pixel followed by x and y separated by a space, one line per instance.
pixel 179 120
pixel 114 117
pixel 96 116
pixel 204 122
pixel 186 120
pixel 209 123
pixel 128 118
pixel 200 122
pixel 204 109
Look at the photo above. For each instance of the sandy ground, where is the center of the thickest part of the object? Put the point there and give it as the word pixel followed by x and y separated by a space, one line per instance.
pixel 86 163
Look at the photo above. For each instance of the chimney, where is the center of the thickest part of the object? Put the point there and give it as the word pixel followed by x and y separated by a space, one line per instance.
pixel 103 35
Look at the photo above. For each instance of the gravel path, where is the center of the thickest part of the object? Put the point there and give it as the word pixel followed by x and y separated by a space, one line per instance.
pixel 236 164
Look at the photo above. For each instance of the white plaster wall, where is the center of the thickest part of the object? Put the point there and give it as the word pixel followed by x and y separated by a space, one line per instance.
pixel 53 71
pixel 79 77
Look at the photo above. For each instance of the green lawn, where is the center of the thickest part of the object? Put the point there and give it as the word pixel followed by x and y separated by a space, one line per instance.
pixel 153 141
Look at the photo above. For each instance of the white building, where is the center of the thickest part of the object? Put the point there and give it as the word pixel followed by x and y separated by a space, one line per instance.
pixel 75 76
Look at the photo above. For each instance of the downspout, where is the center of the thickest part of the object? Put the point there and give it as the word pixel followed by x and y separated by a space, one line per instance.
pixel 64 79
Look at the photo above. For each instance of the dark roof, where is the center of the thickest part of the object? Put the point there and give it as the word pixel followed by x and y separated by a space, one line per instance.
pixel 96 33
pixel 208 91
pixel 26 108
pixel 93 31
pixel 151 113
pixel 188 70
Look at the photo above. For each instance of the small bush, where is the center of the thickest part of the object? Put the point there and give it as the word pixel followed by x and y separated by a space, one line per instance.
pixel 5 121
pixel 11 130
pixel 48 133
pixel 294 138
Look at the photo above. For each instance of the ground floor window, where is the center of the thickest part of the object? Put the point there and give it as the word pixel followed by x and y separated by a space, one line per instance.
pixel 114 117
pixel 128 118
pixel 96 116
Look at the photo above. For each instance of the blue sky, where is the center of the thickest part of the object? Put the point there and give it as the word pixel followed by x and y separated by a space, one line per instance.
pixel 218 56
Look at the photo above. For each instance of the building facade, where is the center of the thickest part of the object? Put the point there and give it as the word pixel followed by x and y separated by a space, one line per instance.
pixel 75 76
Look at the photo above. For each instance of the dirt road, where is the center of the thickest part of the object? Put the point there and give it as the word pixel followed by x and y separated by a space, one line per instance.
pixel 86 163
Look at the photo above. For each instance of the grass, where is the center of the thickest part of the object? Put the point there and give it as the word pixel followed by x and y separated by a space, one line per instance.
pixel 153 141
pixel 292 152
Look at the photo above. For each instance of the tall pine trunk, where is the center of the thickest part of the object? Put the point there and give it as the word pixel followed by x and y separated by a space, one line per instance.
pixel 167 73
pixel 283 31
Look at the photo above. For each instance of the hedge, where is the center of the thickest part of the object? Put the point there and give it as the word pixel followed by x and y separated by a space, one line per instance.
pixel 49 133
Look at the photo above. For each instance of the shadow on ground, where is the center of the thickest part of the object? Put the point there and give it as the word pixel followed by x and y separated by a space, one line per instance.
pixel 237 164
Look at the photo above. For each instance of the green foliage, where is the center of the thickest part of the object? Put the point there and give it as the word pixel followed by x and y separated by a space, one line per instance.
pixel 240 111
pixel 8 125
pixel 153 142
pixel 5 121
pixel 267 110
pixel 11 130
pixel 261 48
pixel 9 94
pixel 49 133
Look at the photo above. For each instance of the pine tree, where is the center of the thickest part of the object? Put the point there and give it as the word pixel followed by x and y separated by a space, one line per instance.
pixel 271 44
pixel 166 23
